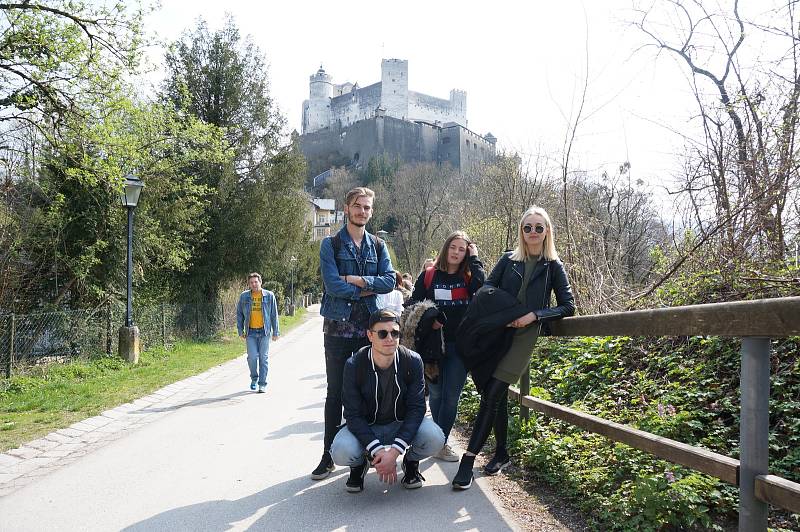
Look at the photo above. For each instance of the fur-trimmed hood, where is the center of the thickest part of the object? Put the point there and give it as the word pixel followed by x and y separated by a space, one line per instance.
pixel 409 321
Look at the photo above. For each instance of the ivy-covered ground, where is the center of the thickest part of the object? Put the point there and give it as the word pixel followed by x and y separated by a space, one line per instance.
pixel 686 389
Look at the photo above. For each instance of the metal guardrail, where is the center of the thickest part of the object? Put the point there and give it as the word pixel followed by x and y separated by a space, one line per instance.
pixel 755 322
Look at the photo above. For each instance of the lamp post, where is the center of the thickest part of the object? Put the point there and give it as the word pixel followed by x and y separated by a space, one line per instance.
pixel 129 334
pixel 293 261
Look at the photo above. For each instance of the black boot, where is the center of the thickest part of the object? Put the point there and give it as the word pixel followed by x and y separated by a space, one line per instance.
pixel 324 468
pixel 463 478
pixel 497 463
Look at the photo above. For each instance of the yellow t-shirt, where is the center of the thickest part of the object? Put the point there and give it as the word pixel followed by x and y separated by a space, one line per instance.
pixel 256 316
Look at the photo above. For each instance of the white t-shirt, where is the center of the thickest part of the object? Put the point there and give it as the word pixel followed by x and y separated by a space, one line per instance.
pixel 393 301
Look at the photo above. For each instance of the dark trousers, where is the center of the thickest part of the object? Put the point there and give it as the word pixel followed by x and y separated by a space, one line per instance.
pixel 494 395
pixel 337 351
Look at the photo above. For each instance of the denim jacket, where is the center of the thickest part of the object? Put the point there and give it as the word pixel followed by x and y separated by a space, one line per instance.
pixel 269 309
pixel 339 296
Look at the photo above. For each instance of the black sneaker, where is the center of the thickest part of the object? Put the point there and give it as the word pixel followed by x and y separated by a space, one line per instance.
pixel 496 464
pixel 324 468
pixel 463 478
pixel 412 478
pixel 355 483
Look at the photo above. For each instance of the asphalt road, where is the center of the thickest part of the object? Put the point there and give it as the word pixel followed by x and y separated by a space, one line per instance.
pixel 230 459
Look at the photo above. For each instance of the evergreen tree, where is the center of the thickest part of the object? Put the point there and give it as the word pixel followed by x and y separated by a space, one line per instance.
pixel 256 207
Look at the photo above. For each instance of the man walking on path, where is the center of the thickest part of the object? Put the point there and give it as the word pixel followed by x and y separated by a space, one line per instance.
pixel 355 266
pixel 256 321
pixel 383 392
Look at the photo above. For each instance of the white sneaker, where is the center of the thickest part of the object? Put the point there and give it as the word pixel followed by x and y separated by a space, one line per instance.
pixel 447 454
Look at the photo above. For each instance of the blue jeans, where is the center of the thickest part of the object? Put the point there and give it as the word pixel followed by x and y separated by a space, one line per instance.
pixel 444 395
pixel 257 351
pixel 348 451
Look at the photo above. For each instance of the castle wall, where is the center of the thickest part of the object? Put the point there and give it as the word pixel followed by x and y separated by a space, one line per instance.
pixel 432 109
pixel 359 104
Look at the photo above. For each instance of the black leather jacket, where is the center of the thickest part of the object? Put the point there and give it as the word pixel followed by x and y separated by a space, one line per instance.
pixel 548 278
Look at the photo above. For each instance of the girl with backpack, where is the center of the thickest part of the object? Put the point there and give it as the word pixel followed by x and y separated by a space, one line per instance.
pixel 450 283
pixel 529 276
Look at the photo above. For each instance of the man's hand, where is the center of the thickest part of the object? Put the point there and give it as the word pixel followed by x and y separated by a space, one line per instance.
pixel 436 325
pixel 275 338
pixel 472 250
pixel 243 337
pixel 366 293
pixel 385 463
pixel 356 280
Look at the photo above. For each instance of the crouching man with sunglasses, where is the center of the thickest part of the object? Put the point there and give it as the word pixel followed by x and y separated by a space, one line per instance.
pixel 384 407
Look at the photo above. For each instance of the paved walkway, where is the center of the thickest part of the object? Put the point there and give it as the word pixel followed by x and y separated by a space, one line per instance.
pixel 207 454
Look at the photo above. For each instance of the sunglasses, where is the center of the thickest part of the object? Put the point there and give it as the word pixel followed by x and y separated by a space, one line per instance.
pixel 383 333
pixel 538 228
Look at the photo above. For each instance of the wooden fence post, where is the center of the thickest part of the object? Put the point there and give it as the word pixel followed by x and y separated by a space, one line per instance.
pixel 525 389
pixel 753 432
pixel 163 325
pixel 108 329
pixel 13 330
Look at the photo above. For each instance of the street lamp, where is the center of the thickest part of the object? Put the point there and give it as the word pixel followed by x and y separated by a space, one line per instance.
pixel 129 334
pixel 293 261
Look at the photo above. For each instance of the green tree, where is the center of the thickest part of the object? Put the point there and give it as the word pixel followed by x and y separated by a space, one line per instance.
pixel 256 207
pixel 74 236
pixel 61 61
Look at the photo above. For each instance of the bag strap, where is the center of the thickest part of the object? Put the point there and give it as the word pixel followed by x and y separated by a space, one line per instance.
pixel 430 271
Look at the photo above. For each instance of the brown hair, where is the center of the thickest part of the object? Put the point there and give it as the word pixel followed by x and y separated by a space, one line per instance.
pixel 441 260
pixel 254 274
pixel 356 193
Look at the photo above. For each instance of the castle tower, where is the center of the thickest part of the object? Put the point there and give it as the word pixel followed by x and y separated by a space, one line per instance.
pixel 394 87
pixel 317 109
pixel 458 106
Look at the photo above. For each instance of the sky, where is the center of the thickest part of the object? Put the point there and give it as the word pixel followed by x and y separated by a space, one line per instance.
pixel 522 64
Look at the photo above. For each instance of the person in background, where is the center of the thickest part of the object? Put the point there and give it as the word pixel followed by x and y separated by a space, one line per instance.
pixel 257 322
pixel 394 299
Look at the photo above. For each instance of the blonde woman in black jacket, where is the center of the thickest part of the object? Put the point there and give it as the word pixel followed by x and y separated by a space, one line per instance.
pixel 532 273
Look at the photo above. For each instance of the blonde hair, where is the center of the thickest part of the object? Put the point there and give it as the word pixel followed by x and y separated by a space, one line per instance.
pixel 441 260
pixel 548 245
pixel 356 193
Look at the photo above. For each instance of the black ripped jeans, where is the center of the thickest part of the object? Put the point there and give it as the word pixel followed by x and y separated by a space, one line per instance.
pixel 492 414
pixel 337 351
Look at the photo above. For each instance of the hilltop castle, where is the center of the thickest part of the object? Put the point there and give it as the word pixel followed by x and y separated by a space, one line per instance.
pixel 346 125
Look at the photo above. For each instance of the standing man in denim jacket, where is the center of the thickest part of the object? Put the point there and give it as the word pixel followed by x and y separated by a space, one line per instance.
pixel 256 318
pixel 355 266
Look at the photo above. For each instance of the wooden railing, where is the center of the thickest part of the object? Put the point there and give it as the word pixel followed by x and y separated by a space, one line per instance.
pixel 755 322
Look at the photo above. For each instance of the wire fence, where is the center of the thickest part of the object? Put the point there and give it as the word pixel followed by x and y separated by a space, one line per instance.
pixel 46 337
pixel 51 337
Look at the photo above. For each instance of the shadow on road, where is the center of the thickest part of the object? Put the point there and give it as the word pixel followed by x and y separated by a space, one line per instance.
pixel 194 402
pixel 301 427
pixel 301 504
pixel 313 377
pixel 311 407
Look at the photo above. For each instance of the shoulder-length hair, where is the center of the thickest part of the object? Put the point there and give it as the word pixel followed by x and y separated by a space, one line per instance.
pixel 548 246
pixel 441 260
